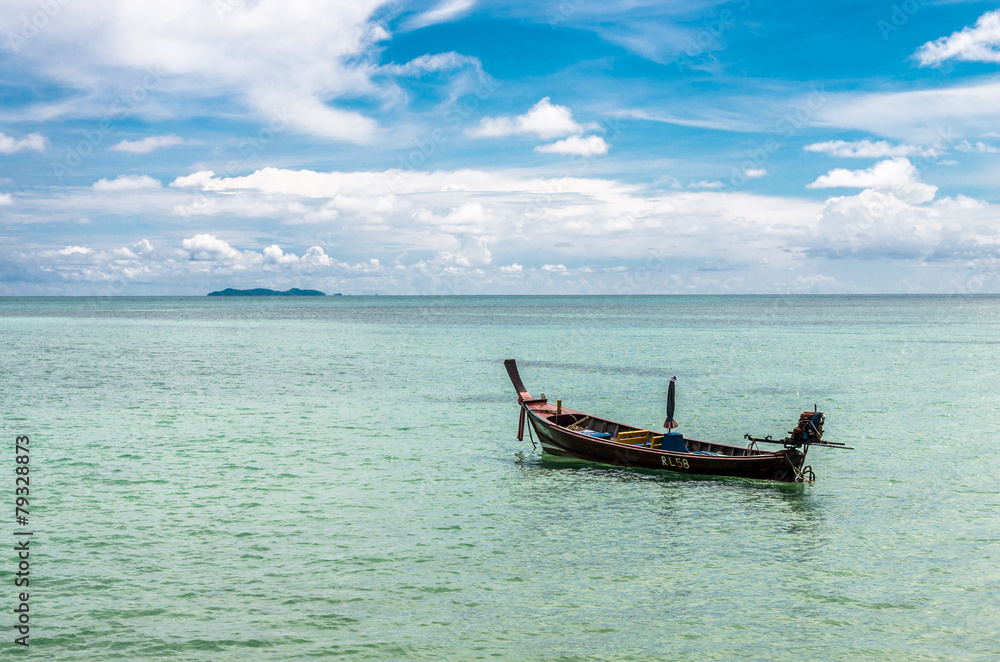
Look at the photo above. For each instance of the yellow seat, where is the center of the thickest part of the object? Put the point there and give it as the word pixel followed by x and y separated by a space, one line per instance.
pixel 635 437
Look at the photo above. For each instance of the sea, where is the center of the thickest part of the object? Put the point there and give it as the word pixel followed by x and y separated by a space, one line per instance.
pixel 294 478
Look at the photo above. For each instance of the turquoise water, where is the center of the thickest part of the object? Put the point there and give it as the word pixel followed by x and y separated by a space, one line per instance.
pixel 281 479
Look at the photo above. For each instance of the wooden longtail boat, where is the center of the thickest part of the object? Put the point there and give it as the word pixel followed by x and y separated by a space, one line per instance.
pixel 571 433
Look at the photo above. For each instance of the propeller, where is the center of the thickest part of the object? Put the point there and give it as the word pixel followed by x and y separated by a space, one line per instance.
pixel 670 423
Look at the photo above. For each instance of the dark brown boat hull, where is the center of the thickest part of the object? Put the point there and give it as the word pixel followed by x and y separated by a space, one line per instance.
pixel 782 466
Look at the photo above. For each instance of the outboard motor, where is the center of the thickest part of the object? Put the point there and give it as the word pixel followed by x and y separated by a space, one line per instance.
pixel 809 428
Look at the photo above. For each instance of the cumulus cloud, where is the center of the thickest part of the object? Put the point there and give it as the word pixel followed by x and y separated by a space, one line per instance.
pixel 464 227
pixel 270 57
pixel 202 179
pixel 879 225
pixel 577 146
pixel 457 231
pixel 273 254
pixel 544 120
pixel 127 183
pixel 869 149
pixel 210 247
pixel 755 173
pixel 147 145
pixel 75 250
pixel 314 256
pixel 972 44
pixel 897 175
pixel 31 142
pixel 5 199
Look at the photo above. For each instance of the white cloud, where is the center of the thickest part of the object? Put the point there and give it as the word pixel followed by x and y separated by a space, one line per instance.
pixel 704 184
pixel 75 250
pixel 5 199
pixel 275 255
pixel 461 230
pixel 450 61
pixel 897 175
pixel 127 183
pixel 471 253
pixel 699 116
pixel 315 256
pixel 210 247
pixel 879 225
pixel 447 10
pixel 147 145
pixel 273 58
pixel 544 120
pixel 347 185
pixel 869 149
pixel 576 145
pixel 32 142
pixel 978 146
pixel 935 118
pixel 755 173
pixel 977 44
pixel 473 223
pixel 202 179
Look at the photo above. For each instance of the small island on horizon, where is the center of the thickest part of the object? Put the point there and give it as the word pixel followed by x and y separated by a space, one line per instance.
pixel 263 292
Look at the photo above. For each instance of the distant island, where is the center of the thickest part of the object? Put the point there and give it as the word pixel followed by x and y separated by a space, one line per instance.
pixel 262 292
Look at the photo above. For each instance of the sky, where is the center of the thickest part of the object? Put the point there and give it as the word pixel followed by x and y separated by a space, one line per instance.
pixel 499 147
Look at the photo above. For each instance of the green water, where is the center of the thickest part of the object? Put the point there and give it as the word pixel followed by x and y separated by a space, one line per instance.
pixel 280 479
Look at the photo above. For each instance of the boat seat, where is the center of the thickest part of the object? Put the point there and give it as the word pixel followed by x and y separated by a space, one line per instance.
pixel 639 438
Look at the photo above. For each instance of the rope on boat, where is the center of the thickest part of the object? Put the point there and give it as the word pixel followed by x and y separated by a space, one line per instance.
pixel 800 474
pixel 531 435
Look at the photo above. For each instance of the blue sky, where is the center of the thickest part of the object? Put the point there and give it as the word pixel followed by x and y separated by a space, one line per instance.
pixel 468 147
